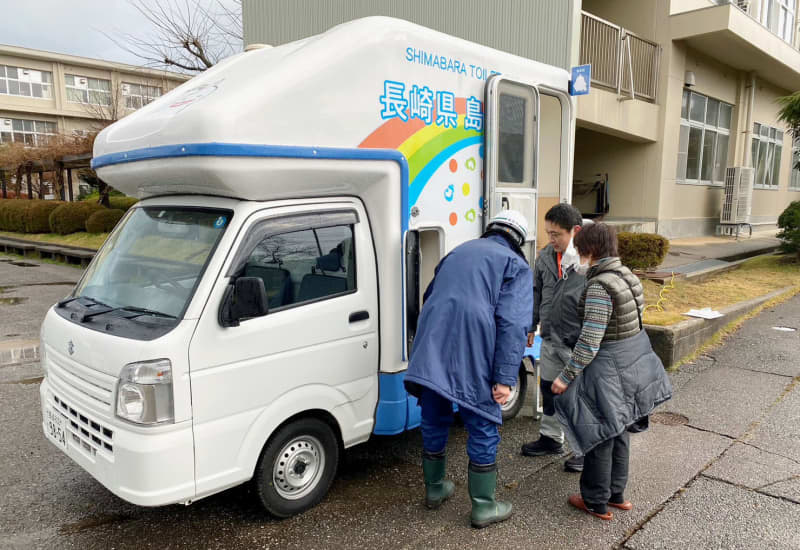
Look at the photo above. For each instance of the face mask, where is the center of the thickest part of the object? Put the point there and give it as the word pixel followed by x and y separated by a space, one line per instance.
pixel 582 269
pixel 570 257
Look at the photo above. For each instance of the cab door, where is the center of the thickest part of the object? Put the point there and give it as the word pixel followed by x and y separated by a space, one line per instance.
pixel 512 145
pixel 316 348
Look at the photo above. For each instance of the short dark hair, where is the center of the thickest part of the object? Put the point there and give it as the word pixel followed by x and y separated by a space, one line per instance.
pixel 598 240
pixel 564 215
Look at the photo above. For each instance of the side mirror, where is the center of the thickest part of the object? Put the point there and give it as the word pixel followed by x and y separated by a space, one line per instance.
pixel 244 299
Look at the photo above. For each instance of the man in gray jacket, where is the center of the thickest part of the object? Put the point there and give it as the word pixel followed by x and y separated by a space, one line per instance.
pixel 557 289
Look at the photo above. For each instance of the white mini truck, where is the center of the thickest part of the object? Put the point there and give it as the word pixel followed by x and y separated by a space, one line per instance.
pixel 253 314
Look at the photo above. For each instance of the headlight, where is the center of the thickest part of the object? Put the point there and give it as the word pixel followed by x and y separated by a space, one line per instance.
pixel 144 392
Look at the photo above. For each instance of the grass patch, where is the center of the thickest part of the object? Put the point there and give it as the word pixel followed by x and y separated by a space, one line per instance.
pixel 85 240
pixel 754 277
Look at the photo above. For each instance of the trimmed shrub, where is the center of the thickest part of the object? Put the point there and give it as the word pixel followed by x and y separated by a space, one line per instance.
pixel 789 222
pixel 104 220
pixel 37 217
pixel 12 215
pixel 122 203
pixel 71 217
pixel 642 250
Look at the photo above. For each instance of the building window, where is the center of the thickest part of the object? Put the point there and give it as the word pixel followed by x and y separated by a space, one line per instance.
pixel 26 82
pixel 794 180
pixel 767 146
pixel 81 89
pixel 139 95
pixel 704 137
pixel 29 132
pixel 778 17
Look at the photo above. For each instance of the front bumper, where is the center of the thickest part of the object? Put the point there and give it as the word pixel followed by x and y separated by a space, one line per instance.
pixel 145 466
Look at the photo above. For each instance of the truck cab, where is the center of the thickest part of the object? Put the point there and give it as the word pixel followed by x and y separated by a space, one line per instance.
pixel 253 314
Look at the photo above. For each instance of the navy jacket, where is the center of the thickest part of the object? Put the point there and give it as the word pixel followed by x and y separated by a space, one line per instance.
pixel 473 325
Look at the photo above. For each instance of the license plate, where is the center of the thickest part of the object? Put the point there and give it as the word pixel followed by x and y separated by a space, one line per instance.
pixel 55 427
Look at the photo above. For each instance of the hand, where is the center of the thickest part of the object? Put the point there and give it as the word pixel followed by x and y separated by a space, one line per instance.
pixel 501 393
pixel 558 387
pixel 531 336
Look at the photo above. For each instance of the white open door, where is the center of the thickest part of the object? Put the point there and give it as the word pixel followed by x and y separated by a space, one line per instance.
pixel 512 145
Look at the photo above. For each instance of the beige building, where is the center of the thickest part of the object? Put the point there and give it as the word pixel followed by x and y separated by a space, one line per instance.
pixel 705 76
pixel 44 93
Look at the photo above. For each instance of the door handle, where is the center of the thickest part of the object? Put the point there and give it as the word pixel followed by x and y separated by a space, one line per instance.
pixel 359 316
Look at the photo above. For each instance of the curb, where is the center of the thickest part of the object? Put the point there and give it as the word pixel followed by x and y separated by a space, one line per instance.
pixel 14 353
pixel 674 342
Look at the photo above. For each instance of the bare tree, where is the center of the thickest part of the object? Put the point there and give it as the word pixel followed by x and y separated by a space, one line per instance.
pixel 188 35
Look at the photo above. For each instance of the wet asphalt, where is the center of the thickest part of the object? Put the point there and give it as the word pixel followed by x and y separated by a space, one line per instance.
pixel 720 468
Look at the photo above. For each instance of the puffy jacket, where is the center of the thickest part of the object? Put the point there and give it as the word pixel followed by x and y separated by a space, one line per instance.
pixel 624 383
pixel 473 325
pixel 556 299
pixel 626 293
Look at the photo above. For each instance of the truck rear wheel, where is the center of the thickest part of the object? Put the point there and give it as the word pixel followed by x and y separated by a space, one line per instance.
pixel 297 467
pixel 517 398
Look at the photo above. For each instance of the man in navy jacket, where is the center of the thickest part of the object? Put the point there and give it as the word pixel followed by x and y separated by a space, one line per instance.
pixel 468 348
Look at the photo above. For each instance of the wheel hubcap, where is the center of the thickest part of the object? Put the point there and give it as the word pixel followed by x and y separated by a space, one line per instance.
pixel 298 467
pixel 512 398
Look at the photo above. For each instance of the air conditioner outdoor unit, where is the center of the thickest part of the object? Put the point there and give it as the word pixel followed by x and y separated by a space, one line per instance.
pixel 738 199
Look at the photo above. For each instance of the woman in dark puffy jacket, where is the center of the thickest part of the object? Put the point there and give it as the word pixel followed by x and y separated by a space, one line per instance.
pixel 613 380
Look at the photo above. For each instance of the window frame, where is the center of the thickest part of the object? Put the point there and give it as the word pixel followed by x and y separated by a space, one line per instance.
pixel 687 122
pixel 293 223
pixel 767 139
pixel 794 174
pixel 38 138
pixel 88 90
pixel 144 99
pixel 44 85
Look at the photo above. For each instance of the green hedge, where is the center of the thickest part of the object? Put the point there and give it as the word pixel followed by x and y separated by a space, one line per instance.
pixel 12 215
pixel 103 221
pixel 71 217
pixel 642 250
pixel 37 216
pixel 789 223
pixel 122 203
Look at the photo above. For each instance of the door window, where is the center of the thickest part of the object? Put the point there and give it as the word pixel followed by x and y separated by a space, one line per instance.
pixel 304 265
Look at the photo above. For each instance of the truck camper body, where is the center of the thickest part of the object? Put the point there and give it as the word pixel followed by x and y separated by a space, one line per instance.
pixel 254 312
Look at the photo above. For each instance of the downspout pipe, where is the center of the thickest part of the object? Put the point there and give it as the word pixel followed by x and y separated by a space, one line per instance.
pixel 750 94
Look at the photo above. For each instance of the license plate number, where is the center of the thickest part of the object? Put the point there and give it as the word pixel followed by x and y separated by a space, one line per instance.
pixel 55 426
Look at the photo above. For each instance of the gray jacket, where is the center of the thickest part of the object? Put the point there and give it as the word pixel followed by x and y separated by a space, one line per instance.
pixel 624 383
pixel 555 301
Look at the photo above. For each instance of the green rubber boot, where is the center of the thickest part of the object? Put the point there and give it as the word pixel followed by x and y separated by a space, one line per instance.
pixel 437 488
pixel 482 485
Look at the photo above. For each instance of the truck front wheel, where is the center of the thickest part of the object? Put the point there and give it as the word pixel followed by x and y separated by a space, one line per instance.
pixel 297 467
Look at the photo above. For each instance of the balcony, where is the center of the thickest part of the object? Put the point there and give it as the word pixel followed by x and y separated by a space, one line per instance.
pixel 625 71
pixel 733 34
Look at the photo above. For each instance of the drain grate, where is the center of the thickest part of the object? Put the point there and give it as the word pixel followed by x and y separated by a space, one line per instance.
pixel 669 419
pixel 24 264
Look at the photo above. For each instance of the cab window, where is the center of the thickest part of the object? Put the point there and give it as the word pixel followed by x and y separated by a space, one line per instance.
pixel 304 265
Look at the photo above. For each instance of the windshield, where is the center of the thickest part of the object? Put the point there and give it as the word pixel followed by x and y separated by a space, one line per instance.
pixel 153 260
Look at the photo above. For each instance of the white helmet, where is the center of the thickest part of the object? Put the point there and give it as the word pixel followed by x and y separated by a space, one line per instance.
pixel 511 219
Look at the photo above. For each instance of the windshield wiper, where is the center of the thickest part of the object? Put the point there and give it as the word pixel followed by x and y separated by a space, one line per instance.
pixel 145 311
pixel 138 311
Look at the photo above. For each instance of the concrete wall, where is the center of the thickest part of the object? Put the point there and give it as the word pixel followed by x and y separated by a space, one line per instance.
pixel 544 30
pixel 630 167
pixel 637 16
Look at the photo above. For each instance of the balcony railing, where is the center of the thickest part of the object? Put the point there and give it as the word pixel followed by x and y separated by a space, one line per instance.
pixel 620 59
pixel 776 15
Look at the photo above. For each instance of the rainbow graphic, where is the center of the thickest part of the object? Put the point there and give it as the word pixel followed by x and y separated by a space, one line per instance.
pixel 426 147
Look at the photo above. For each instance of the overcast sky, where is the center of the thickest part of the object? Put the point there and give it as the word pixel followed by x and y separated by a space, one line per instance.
pixel 72 26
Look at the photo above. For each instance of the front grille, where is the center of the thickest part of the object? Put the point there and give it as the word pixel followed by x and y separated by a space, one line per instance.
pixel 96 387
pixel 86 433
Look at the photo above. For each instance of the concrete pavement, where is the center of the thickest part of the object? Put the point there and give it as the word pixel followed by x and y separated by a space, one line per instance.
pixel 720 468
